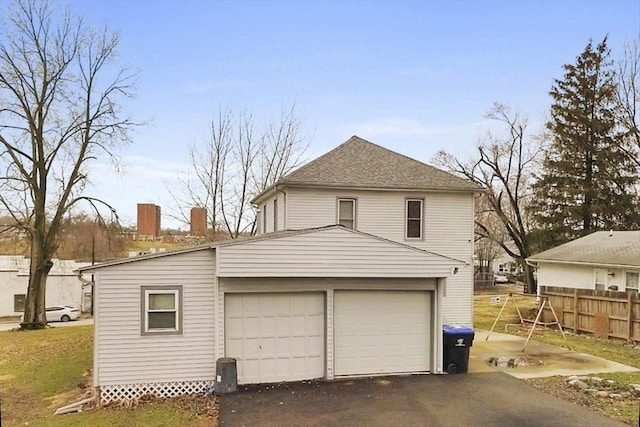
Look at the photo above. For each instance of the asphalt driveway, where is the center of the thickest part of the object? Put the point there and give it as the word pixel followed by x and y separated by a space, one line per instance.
pixel 475 399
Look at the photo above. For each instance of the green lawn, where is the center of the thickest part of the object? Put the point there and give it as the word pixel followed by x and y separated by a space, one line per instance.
pixel 41 371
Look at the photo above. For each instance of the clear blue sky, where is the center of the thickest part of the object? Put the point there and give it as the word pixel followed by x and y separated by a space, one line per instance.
pixel 413 76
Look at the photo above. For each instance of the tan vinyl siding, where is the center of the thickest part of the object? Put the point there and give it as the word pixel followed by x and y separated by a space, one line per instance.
pixel 458 302
pixel 449 225
pixel 126 356
pixel 271 204
pixel 448 217
pixel 332 252
pixel 447 229
pixel 280 197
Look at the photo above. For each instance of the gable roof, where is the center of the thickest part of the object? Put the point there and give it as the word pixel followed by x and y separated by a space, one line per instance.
pixel 331 251
pixel 268 236
pixel 137 258
pixel 360 163
pixel 288 233
pixel 620 248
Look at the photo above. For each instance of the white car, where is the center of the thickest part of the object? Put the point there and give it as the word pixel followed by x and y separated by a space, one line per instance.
pixel 500 278
pixel 60 313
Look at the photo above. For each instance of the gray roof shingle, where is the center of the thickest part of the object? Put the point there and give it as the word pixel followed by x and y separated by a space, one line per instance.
pixel 360 163
pixel 601 247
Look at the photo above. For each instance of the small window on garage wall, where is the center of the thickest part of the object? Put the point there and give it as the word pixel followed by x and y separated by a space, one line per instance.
pixel 161 312
pixel 18 302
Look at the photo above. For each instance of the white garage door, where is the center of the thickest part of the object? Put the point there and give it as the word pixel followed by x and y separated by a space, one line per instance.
pixel 276 336
pixel 379 332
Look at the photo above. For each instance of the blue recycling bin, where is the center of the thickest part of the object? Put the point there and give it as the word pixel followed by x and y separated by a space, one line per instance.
pixel 457 340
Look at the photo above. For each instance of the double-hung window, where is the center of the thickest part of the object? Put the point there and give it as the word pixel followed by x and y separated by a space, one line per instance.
pixel 347 213
pixel 414 212
pixel 275 214
pixel 161 310
pixel 18 302
pixel 601 279
pixel 264 218
pixel 632 279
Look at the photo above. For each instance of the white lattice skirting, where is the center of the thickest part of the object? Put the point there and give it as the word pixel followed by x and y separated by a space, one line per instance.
pixel 127 392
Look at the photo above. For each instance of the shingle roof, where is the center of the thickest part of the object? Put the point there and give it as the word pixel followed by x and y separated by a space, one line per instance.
pixel 601 247
pixel 360 163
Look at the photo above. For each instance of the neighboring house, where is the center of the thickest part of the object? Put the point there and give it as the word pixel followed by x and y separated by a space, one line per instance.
pixel 63 286
pixel 360 257
pixel 601 261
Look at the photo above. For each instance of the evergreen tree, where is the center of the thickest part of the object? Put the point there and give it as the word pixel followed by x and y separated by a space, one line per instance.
pixel 587 181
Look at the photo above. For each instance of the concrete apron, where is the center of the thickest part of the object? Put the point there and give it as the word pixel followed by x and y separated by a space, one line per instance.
pixel 538 359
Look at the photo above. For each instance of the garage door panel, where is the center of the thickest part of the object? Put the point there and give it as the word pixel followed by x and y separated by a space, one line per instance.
pixel 275 336
pixel 380 332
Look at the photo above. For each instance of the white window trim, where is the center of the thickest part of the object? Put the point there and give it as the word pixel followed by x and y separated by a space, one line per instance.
pixel 354 209
pixel 595 278
pixel 406 218
pixel 275 214
pixel 264 218
pixel 625 280
pixel 145 291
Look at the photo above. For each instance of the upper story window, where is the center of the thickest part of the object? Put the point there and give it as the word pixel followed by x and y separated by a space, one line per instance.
pixel 275 214
pixel 632 279
pixel 161 310
pixel 264 218
pixel 414 219
pixel 347 213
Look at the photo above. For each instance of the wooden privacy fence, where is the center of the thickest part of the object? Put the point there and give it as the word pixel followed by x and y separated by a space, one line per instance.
pixel 606 314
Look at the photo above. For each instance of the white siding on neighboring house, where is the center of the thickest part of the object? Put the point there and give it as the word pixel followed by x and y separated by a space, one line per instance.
pixel 63 286
pixel 333 252
pixel 578 276
pixel 123 355
pixel 566 275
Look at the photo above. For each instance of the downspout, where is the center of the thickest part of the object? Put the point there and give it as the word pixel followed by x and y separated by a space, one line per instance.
pixel 86 283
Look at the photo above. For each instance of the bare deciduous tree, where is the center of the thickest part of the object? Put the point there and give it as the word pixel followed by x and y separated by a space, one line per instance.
pixel 504 166
pixel 240 158
pixel 628 99
pixel 59 109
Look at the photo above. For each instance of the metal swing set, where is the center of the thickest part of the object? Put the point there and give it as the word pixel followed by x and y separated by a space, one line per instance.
pixel 534 323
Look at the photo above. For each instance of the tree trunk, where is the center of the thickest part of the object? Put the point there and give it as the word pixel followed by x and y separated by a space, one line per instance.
pixel 39 266
pixel 529 279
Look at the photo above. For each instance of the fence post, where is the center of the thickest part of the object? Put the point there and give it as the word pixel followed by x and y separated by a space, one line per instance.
pixel 575 311
pixel 629 317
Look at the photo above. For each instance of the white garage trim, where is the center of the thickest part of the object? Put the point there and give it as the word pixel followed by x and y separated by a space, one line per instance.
pixel 382 332
pixel 276 336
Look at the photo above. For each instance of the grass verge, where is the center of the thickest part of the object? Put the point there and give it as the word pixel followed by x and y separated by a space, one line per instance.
pixel 46 369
